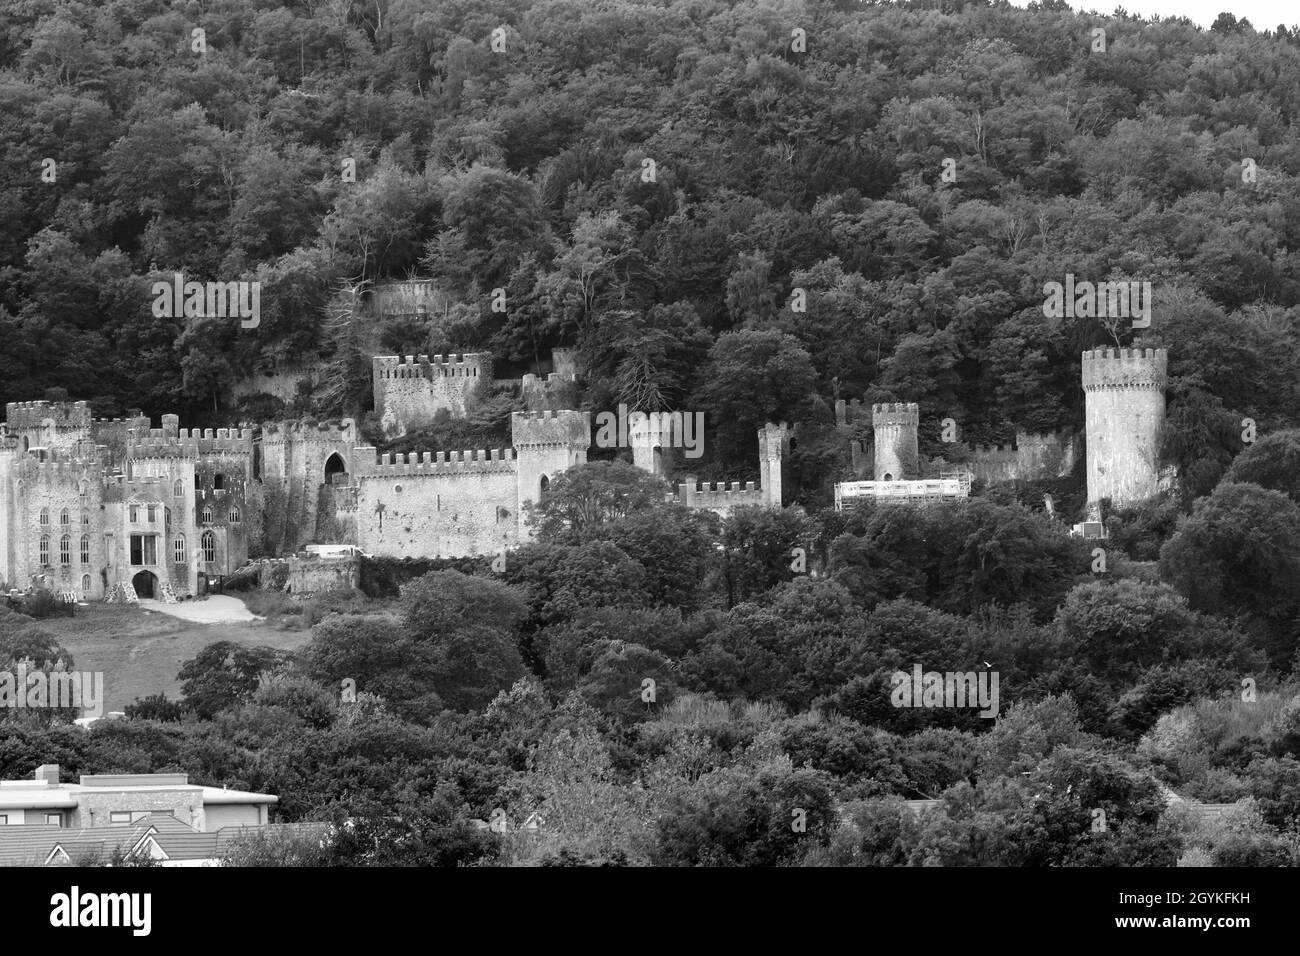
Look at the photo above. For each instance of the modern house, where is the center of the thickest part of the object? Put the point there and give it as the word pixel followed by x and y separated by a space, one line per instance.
pixel 108 800
pixel 158 815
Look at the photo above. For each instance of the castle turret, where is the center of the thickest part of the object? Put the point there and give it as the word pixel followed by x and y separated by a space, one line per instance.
pixel 651 438
pixel 773 447
pixel 547 444
pixel 1125 397
pixel 897 451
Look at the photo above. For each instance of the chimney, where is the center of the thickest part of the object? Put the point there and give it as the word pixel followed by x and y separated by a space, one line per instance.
pixel 48 772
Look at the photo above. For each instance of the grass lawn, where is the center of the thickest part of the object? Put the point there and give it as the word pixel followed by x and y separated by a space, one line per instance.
pixel 140 652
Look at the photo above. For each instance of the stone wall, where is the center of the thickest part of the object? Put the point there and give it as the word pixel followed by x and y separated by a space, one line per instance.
pixel 410 390
pixel 456 505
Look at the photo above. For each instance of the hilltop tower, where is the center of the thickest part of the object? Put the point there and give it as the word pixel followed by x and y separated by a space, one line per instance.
pixel 897 452
pixel 1125 398
pixel 547 443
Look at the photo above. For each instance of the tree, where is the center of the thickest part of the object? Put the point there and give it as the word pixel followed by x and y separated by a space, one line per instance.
pixel 1239 552
pixel 753 377
pixel 225 674
pixel 1271 462
pixel 470 625
pixel 760 815
pixel 581 498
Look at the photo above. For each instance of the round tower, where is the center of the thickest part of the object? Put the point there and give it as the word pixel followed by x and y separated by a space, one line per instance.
pixel 897 452
pixel 1124 393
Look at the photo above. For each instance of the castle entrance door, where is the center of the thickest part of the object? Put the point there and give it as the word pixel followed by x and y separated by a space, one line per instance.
pixel 145 584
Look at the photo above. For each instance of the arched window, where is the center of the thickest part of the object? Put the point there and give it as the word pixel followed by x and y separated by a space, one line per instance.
pixel 218 481
pixel 178 549
pixel 85 519
pixel 209 547
pixel 205 516
pixel 45 517
pixel 64 520
pixel 65 550
pixel 334 465
pixel 85 585
pixel 85 549
pixel 178 489
pixel 234 516
pixel 45 552
pixel 198 482
pixel 543 486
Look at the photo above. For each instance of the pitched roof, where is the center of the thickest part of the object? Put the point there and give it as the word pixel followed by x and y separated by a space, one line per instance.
pixel 35 845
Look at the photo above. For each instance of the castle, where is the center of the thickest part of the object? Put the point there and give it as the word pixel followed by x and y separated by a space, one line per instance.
pixel 118 510
pixel 1124 393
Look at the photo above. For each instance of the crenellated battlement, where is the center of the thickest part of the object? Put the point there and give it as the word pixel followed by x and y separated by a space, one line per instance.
pixel 467 365
pixel 307 429
pixel 59 470
pixel 1125 368
pixel 552 427
pixel 497 460
pixel 187 443
pixel 65 415
pixel 719 496
pixel 896 413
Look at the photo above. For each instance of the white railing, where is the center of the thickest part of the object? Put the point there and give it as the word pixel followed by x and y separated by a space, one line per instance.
pixel 925 489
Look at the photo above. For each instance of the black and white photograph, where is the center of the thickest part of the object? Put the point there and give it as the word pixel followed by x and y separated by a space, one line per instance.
pixel 727 435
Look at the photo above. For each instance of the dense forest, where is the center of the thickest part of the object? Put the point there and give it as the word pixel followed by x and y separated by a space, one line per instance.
pixel 651 183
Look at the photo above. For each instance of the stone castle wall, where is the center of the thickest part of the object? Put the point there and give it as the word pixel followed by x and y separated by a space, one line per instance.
pixel 411 390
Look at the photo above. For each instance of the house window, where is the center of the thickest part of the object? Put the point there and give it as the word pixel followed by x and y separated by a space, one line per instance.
pixel 153 513
pixel 63 518
pixel 4 819
pixel 65 551
pixel 178 489
pixel 85 549
pixel 54 819
pixel 209 547
pixel 45 517
pixel 178 549
pixel 135 513
pixel 119 817
pixel 205 516
pixel 234 516
pixel 144 549
pixel 45 552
